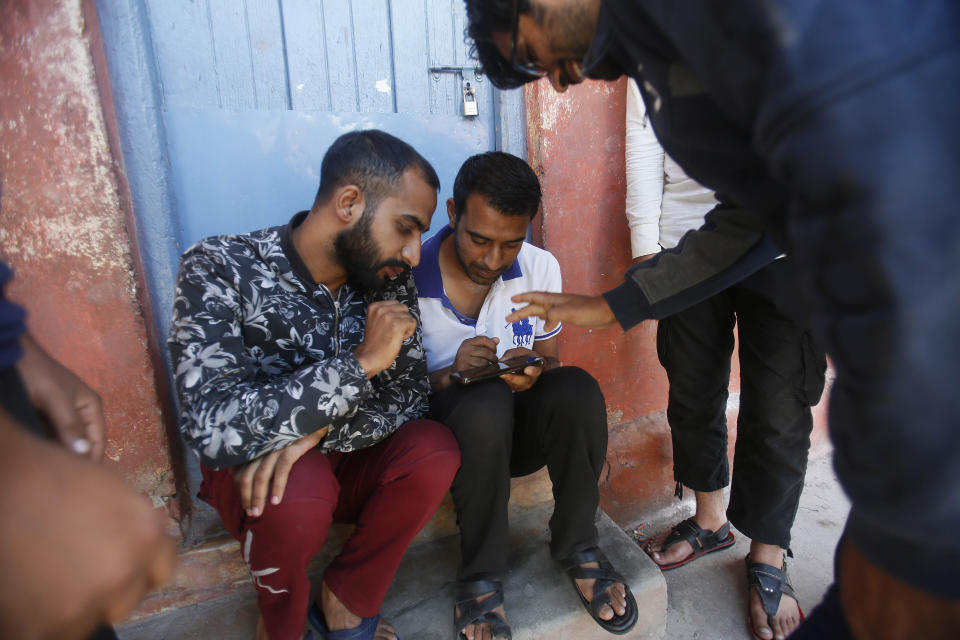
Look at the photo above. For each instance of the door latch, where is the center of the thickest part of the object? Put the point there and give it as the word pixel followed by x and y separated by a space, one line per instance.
pixel 469 101
pixel 471 108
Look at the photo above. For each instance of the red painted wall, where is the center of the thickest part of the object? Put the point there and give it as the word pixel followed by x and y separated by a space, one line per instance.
pixel 63 230
pixel 576 144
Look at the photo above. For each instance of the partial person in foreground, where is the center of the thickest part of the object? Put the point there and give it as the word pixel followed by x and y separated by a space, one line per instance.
pixel 78 547
pixel 515 424
pixel 781 377
pixel 302 385
pixel 828 131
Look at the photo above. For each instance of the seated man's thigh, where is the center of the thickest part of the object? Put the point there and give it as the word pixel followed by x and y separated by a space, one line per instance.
pixel 480 414
pixel 418 460
pixel 311 480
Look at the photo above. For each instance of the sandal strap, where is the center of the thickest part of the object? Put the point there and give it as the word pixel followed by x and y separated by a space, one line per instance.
pixel 771 583
pixel 474 611
pixel 604 574
pixel 697 537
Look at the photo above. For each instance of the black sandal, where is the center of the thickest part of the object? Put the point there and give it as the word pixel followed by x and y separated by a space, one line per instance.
pixel 771 583
pixel 702 541
pixel 472 611
pixel 605 577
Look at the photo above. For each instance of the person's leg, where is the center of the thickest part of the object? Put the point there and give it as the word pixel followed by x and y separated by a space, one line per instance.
pixel 561 422
pixel 278 545
pixel 481 417
pixel 389 490
pixel 694 347
pixel 782 375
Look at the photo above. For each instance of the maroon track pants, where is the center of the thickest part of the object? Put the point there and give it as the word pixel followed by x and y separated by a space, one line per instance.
pixel 388 490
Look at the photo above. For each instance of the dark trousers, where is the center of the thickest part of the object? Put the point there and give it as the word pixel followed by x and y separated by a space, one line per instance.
pixel 781 376
pixel 389 490
pixel 14 400
pixel 560 422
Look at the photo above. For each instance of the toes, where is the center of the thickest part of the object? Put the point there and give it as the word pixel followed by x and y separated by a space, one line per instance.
pixel 759 617
pixel 675 553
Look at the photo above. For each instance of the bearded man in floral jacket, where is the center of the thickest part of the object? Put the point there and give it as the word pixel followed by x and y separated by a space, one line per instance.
pixel 302 379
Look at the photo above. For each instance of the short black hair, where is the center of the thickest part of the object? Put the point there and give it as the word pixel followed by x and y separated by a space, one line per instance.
pixel 373 160
pixel 506 182
pixel 484 18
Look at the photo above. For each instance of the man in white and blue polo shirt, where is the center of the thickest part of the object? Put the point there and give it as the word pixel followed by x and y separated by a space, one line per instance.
pixel 518 423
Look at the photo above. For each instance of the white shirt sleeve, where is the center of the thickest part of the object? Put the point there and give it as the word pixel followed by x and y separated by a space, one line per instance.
pixel 644 163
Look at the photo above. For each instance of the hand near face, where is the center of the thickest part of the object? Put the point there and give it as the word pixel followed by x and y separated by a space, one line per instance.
pixel 268 474
pixel 389 323
pixel 590 312
pixel 525 380
pixel 72 408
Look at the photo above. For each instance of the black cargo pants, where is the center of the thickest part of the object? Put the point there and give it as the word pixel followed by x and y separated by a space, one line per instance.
pixel 781 376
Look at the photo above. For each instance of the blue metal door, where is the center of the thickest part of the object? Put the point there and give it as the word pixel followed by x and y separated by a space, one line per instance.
pixel 242 97
pixel 225 108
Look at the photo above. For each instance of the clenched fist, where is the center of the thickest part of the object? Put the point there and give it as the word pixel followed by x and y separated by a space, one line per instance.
pixel 389 323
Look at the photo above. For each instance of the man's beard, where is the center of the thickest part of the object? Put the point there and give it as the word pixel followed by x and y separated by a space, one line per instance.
pixel 360 256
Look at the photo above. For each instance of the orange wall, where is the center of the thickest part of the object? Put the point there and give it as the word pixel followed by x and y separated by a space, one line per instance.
pixel 575 144
pixel 64 231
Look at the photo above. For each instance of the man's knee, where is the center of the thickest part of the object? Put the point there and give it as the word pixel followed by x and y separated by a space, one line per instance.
pixel 483 417
pixel 571 389
pixel 293 530
pixel 428 453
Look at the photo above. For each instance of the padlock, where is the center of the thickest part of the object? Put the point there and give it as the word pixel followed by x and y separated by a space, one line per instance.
pixel 470 101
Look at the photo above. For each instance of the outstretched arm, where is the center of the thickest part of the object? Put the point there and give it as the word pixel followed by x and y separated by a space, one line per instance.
pixel 591 312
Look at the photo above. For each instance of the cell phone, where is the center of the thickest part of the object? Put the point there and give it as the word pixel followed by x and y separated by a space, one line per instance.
pixel 495 369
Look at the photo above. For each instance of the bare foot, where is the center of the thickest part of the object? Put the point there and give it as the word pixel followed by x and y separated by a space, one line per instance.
pixel 618 595
pixel 482 631
pixel 788 613
pixel 338 617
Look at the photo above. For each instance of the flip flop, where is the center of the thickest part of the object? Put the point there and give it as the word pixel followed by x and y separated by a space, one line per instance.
pixel 702 541
pixel 604 577
pixel 366 630
pixel 771 583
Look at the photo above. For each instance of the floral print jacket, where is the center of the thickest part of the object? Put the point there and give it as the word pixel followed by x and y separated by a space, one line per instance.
pixel 264 356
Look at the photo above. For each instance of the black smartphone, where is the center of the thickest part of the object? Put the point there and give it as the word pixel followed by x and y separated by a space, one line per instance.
pixel 495 369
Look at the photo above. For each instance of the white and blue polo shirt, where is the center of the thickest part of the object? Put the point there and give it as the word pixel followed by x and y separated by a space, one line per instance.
pixel 445 328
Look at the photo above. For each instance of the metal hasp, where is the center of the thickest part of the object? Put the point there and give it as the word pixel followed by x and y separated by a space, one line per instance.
pixel 469 77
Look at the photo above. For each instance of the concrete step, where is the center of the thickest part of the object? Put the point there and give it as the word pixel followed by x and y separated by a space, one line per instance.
pixel 541 602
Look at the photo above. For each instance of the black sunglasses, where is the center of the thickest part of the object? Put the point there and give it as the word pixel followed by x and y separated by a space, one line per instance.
pixel 528 69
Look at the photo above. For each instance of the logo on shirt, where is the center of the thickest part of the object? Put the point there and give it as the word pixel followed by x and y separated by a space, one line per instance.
pixel 522 332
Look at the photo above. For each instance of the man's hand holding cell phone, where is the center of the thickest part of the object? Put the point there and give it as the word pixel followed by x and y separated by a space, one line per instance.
pixel 476 360
pixel 521 381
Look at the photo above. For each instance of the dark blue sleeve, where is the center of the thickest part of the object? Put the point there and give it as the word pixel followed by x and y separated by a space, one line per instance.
pixel 730 246
pixel 12 323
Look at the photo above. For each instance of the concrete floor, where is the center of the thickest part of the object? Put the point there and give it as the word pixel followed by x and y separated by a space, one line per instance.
pixel 706 599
